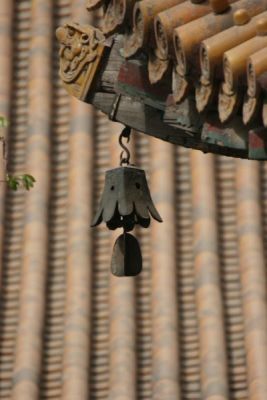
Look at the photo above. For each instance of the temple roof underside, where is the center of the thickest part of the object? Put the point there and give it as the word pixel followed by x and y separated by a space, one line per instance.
pixel 191 72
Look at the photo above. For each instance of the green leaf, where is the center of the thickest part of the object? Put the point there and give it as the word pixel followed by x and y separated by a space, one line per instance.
pixel 28 181
pixel 12 182
pixel 3 122
pixel 31 177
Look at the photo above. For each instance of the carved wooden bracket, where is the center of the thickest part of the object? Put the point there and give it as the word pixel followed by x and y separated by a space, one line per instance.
pixel 81 49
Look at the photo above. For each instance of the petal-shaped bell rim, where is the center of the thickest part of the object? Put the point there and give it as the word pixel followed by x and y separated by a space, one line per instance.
pixel 109 210
pixel 98 218
pixel 139 208
pixel 154 212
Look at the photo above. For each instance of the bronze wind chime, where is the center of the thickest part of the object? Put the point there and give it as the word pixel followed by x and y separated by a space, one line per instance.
pixel 125 203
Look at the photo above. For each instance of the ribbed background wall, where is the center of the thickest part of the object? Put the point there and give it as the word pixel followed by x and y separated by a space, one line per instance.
pixel 193 325
pixel 14 204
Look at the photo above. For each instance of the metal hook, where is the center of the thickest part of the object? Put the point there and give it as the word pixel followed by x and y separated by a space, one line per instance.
pixel 125 154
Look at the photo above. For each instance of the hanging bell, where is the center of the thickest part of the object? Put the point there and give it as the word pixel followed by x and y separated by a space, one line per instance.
pixel 126 202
